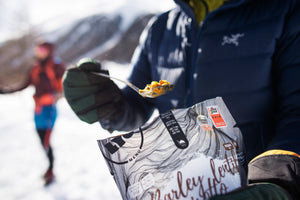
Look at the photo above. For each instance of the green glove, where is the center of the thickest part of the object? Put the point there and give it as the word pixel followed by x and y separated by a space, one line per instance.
pixel 261 191
pixel 90 96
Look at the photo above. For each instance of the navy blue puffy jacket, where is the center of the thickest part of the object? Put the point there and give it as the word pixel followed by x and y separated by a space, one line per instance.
pixel 247 52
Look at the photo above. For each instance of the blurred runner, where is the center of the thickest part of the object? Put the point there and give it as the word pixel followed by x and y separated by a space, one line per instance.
pixel 45 75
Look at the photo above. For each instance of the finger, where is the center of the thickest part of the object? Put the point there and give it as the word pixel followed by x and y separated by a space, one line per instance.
pixel 110 93
pixel 75 93
pixel 75 77
pixel 89 64
pixel 89 117
pixel 83 105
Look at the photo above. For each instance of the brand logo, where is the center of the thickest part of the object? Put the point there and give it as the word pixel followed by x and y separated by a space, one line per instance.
pixel 113 145
pixel 233 39
pixel 174 130
pixel 213 110
pixel 216 116
pixel 116 143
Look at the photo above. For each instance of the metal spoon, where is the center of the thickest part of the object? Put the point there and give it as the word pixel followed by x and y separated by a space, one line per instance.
pixel 149 93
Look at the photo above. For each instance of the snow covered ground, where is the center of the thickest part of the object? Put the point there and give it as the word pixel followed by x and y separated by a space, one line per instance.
pixel 81 171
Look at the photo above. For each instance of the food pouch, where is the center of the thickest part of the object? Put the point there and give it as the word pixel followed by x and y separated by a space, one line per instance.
pixel 193 153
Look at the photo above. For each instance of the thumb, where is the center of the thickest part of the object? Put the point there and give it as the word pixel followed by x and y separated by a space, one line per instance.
pixel 89 64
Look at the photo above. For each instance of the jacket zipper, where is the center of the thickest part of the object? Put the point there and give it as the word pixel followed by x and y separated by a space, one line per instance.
pixel 195 47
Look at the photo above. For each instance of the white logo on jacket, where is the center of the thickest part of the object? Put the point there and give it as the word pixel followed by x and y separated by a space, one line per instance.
pixel 233 39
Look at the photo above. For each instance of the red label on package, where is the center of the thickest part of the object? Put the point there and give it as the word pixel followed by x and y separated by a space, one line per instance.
pixel 216 116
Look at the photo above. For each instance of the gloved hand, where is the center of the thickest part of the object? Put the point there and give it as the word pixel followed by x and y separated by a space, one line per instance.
pixel 90 96
pixel 261 191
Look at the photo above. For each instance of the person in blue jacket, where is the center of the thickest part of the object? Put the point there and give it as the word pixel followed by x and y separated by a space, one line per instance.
pixel 246 51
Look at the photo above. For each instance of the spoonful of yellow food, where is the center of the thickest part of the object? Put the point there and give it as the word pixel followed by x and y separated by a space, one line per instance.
pixel 156 89
pixel 153 90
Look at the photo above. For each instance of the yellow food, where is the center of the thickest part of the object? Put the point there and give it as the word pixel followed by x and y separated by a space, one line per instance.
pixel 156 88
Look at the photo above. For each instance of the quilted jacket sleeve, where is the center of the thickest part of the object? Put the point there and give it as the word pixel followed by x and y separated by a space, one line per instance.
pixel 287 84
pixel 138 109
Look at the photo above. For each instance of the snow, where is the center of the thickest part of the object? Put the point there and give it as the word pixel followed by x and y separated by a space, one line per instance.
pixel 81 171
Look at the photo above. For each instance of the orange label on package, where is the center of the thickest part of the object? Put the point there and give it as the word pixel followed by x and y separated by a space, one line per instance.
pixel 216 116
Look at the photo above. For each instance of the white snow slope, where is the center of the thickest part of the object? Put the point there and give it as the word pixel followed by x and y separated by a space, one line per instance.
pixel 81 171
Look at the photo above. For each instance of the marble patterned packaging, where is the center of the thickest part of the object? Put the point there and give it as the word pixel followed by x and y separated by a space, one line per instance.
pixel 191 153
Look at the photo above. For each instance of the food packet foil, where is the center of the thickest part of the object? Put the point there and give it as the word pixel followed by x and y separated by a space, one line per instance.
pixel 192 153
